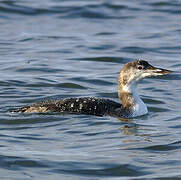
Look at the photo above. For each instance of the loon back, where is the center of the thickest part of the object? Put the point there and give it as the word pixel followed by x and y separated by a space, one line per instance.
pixel 87 105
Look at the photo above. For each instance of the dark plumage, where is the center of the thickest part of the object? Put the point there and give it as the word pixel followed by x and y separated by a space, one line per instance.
pixel 87 105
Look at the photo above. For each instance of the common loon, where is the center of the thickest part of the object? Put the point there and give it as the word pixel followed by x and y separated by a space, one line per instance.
pixel 131 106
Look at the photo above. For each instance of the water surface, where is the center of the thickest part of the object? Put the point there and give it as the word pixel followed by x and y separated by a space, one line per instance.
pixel 58 49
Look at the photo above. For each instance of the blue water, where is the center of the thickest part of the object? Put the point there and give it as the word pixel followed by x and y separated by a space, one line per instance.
pixel 58 49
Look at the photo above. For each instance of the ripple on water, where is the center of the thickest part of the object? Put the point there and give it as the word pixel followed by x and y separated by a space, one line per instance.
pixel 59 49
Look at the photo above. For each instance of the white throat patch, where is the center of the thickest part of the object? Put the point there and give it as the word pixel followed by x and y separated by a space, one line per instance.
pixel 139 107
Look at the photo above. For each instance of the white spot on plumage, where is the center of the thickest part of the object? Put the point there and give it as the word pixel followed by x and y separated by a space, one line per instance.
pixel 80 106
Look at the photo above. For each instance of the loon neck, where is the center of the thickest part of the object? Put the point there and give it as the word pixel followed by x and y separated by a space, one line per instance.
pixel 131 100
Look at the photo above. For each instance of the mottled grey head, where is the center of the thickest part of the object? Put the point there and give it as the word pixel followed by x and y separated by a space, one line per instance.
pixel 139 69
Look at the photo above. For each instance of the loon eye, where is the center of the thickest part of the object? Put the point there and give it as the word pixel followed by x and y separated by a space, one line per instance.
pixel 140 67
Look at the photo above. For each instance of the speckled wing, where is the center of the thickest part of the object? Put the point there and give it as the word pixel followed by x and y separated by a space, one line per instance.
pixel 88 105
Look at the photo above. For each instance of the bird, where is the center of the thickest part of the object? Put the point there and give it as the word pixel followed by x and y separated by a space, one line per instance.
pixel 131 104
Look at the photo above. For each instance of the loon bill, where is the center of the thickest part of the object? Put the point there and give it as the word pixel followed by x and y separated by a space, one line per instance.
pixel 131 106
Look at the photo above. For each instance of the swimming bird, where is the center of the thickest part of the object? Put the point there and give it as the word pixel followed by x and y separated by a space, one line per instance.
pixel 131 103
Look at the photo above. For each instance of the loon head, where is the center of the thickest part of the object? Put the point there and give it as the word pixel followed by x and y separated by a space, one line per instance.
pixel 130 74
pixel 136 70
